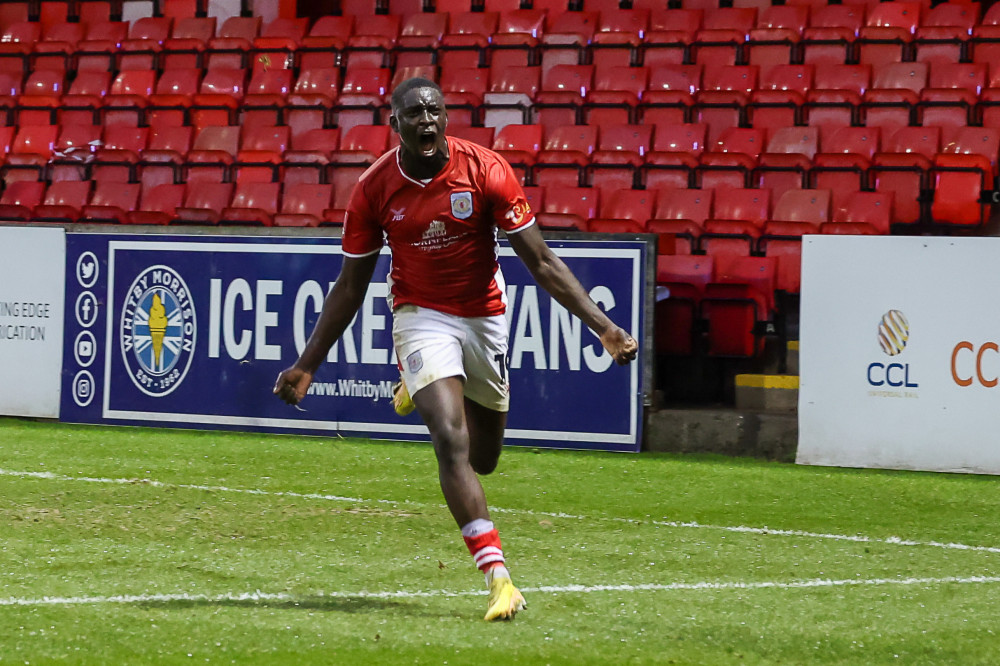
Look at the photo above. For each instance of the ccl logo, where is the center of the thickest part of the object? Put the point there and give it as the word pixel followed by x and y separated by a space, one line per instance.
pixel 893 336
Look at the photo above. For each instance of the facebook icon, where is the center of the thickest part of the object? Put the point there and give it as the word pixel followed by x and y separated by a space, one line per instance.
pixel 86 309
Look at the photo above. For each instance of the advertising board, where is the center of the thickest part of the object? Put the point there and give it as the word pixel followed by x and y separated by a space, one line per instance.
pixel 191 331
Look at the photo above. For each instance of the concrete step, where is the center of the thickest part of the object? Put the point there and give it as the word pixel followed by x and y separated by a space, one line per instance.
pixel 767 393
pixel 731 432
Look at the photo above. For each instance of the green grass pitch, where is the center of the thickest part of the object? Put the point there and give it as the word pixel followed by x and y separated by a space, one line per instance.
pixel 143 546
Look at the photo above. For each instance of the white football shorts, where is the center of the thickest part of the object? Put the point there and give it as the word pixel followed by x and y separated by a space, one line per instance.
pixel 432 345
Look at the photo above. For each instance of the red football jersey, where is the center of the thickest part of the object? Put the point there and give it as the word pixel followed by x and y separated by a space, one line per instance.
pixel 442 233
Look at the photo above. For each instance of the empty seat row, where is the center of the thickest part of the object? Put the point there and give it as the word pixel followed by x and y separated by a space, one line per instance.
pixel 203 203
pixel 178 154
pixel 734 35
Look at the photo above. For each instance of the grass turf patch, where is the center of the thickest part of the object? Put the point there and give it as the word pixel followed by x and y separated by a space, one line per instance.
pixel 623 558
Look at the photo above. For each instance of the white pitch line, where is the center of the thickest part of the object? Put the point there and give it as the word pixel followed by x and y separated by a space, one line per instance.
pixel 741 529
pixel 264 597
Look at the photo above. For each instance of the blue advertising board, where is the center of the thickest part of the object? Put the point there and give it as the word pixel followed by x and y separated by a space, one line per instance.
pixel 191 331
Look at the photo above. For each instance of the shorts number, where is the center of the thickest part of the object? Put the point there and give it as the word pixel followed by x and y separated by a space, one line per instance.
pixel 501 360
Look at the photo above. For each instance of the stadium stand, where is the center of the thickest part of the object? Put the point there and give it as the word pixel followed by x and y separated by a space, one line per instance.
pixel 727 132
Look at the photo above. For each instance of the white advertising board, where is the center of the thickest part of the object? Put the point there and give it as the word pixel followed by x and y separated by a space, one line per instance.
pixel 900 353
pixel 32 291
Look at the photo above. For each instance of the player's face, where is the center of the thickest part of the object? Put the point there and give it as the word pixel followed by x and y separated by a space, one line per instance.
pixel 420 122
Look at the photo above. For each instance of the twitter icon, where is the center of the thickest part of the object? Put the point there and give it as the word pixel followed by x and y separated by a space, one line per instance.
pixel 87 270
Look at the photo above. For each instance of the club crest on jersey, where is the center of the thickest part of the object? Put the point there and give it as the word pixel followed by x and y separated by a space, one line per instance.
pixel 461 204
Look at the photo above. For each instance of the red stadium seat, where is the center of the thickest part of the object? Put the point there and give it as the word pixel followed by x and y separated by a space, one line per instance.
pixel 187 43
pixel 722 39
pixel 99 49
pixel 363 97
pixel 19 199
pixel 212 154
pixel 219 97
pixel 324 45
pixel 679 219
pixel 566 38
pixel 277 43
pixel 519 145
pixel 832 33
pixel 30 153
pixel 58 44
pixel 467 42
pixel 787 162
pixel 888 33
pixel 85 98
pixel 568 208
pixel 737 304
pixel 64 201
pixel 518 35
pixel 775 39
pixel 945 31
pixel 482 136
pixel 146 38
pixel 510 96
pixel 230 48
pixel 959 183
pixel 74 152
pixel 304 205
pixel 891 102
pixel 158 204
pixel 671 34
pixel 677 314
pixel 619 36
pixel 861 213
pixel 725 92
pixel 625 210
pixel 307 159
pixel 565 155
pixel 616 94
pixel 563 94
pixel 128 98
pixel 164 156
pixel 731 159
pixel 111 202
pixel 204 202
pixel 419 38
pixel 674 155
pixel 253 204
pixel 842 167
pixel 463 89
pixel 619 156
pixel 779 101
pixel 903 168
pixel 39 101
pixel 362 145
pixel 737 221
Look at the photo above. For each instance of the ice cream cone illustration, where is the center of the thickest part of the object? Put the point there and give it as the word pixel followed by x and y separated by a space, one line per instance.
pixel 157 327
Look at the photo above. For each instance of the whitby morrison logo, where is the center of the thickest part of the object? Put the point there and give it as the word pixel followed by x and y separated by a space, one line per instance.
pixel 893 336
pixel 158 330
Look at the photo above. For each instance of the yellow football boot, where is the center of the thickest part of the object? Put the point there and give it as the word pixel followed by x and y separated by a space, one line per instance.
pixel 401 400
pixel 505 600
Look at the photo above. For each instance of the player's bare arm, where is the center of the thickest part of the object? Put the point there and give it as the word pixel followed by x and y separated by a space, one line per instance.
pixel 340 306
pixel 555 277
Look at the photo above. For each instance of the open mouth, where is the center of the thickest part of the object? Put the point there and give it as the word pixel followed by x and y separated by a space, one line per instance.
pixel 428 143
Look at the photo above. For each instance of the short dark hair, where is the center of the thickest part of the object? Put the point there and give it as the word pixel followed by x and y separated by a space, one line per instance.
pixel 408 85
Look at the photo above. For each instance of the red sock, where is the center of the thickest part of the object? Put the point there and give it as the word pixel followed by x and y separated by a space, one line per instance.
pixel 485 549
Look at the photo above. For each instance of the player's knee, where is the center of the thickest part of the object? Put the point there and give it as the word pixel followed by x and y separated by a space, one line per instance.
pixel 451 447
pixel 484 466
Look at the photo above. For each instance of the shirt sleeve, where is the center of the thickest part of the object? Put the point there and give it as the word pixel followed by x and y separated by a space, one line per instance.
pixel 506 197
pixel 362 231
